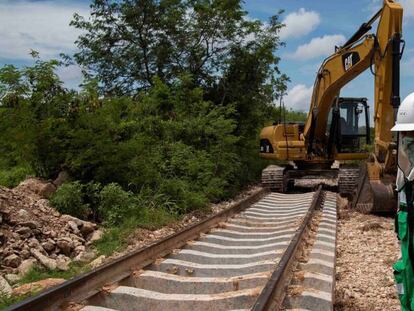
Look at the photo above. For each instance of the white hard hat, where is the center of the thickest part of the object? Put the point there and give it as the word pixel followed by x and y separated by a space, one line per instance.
pixel 405 116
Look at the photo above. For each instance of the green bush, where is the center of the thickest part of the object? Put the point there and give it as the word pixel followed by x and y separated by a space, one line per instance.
pixel 116 237
pixel 177 141
pixel 115 205
pixel 69 199
pixel 11 177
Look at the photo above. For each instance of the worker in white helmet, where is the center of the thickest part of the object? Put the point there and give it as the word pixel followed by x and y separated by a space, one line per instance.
pixel 403 268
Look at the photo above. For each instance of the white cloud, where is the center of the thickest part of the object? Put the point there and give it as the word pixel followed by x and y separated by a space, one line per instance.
pixel 321 46
pixel 41 25
pixel 299 24
pixel 407 67
pixel 71 75
pixel 299 97
pixel 408 6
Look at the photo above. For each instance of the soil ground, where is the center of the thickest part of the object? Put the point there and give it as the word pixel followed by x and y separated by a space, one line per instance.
pixel 367 247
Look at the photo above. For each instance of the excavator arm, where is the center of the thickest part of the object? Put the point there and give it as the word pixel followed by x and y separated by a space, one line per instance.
pixel 335 72
pixel 387 82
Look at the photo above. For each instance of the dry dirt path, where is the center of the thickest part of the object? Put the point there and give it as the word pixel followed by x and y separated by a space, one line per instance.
pixel 367 247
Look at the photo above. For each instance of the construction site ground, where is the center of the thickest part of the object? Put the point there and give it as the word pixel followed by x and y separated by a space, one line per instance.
pixel 367 248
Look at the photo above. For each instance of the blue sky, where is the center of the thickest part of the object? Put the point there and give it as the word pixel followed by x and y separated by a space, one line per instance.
pixel 313 29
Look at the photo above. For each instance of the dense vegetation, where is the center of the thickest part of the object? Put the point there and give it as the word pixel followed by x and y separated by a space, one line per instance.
pixel 168 116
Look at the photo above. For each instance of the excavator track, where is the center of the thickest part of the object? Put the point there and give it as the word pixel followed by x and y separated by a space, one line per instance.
pixel 347 180
pixel 273 178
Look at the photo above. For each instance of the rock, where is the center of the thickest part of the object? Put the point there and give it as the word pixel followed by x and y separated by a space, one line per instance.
pixel 2 238
pixel 36 231
pixel 77 243
pixel 62 264
pixel 97 262
pixel 68 218
pixel 44 260
pixel 85 256
pixel 49 245
pixel 64 258
pixel 31 228
pixel 34 243
pixel 47 190
pixel 65 245
pixel 95 236
pixel 25 232
pixel 87 228
pixel 5 215
pixel 36 186
pixel 12 278
pixel 12 261
pixel 61 179
pixel 73 226
pixel 5 287
pixel 36 286
pixel 15 236
pixel 24 254
pixel 371 226
pixel 26 266
pixel 76 238
pixel 30 224
pixel 23 214
pixel 79 249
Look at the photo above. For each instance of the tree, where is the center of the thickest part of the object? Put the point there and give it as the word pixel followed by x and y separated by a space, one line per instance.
pixel 127 43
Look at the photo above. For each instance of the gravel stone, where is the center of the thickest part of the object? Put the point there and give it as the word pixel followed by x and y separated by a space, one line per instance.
pixel 44 260
pixel 65 246
pixel 12 278
pixel 97 262
pixel 26 266
pixel 5 287
pixel 95 236
pixel 12 261
pixel 73 226
pixel 367 247
pixel 28 223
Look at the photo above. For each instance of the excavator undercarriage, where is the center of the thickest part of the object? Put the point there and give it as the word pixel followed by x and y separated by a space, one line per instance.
pixel 365 195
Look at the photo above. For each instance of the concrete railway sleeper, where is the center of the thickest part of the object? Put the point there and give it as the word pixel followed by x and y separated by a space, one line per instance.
pixel 239 259
pixel 313 284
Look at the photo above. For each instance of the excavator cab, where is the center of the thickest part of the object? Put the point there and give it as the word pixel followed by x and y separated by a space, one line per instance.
pixel 354 127
pixel 348 124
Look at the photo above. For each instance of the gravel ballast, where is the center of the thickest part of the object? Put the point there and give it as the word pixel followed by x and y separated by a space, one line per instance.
pixel 367 247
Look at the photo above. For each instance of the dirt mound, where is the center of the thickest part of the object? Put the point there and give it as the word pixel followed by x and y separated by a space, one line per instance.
pixel 32 232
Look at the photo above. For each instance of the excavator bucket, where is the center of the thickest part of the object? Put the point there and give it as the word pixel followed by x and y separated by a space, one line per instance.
pixel 375 195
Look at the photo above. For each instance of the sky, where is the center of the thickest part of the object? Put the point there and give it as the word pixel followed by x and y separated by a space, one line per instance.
pixel 313 28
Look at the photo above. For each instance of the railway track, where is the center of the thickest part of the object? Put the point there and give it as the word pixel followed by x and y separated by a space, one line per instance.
pixel 243 258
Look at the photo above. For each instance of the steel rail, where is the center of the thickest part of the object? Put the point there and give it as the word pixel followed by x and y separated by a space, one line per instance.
pixel 88 284
pixel 273 293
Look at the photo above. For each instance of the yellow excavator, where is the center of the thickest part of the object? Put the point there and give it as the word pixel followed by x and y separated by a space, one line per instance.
pixel 338 129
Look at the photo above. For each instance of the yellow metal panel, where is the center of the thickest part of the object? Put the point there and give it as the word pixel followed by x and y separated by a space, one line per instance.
pixel 351 156
pixel 331 77
pixel 291 144
pixel 390 23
